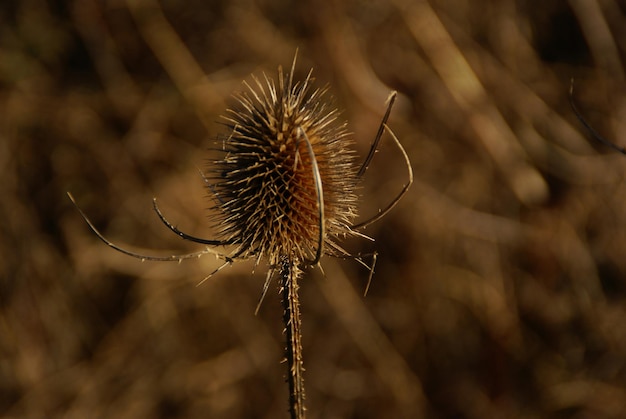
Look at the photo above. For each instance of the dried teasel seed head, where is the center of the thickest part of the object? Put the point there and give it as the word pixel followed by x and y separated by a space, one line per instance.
pixel 286 148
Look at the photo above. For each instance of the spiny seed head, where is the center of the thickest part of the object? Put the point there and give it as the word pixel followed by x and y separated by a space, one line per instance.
pixel 265 189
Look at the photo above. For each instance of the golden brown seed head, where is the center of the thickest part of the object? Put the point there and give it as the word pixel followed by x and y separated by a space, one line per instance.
pixel 264 187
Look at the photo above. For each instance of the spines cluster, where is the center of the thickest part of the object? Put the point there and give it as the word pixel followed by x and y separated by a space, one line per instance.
pixel 265 189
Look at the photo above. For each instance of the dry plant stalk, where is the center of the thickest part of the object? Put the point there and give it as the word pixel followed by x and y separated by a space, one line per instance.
pixel 590 130
pixel 289 273
pixel 284 191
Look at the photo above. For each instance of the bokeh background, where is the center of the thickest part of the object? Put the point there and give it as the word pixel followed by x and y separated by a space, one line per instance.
pixel 500 288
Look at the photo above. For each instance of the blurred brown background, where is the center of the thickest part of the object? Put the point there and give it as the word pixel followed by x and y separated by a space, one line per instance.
pixel 500 289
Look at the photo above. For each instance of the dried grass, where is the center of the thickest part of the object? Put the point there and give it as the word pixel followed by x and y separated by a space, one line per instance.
pixel 500 287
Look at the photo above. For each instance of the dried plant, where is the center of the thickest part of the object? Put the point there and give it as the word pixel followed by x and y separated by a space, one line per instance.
pixel 590 130
pixel 284 190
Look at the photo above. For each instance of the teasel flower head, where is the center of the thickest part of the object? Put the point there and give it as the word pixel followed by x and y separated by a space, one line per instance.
pixel 284 190
pixel 285 185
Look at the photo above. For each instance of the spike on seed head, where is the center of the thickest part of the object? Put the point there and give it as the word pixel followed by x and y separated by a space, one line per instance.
pixel 286 154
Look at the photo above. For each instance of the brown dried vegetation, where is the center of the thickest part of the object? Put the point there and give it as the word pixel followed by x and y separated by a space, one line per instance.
pixel 500 288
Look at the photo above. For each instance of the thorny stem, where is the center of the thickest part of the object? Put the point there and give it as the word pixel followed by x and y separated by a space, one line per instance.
pixel 289 272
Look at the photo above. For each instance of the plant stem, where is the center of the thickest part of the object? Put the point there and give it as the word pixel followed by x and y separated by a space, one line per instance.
pixel 289 272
